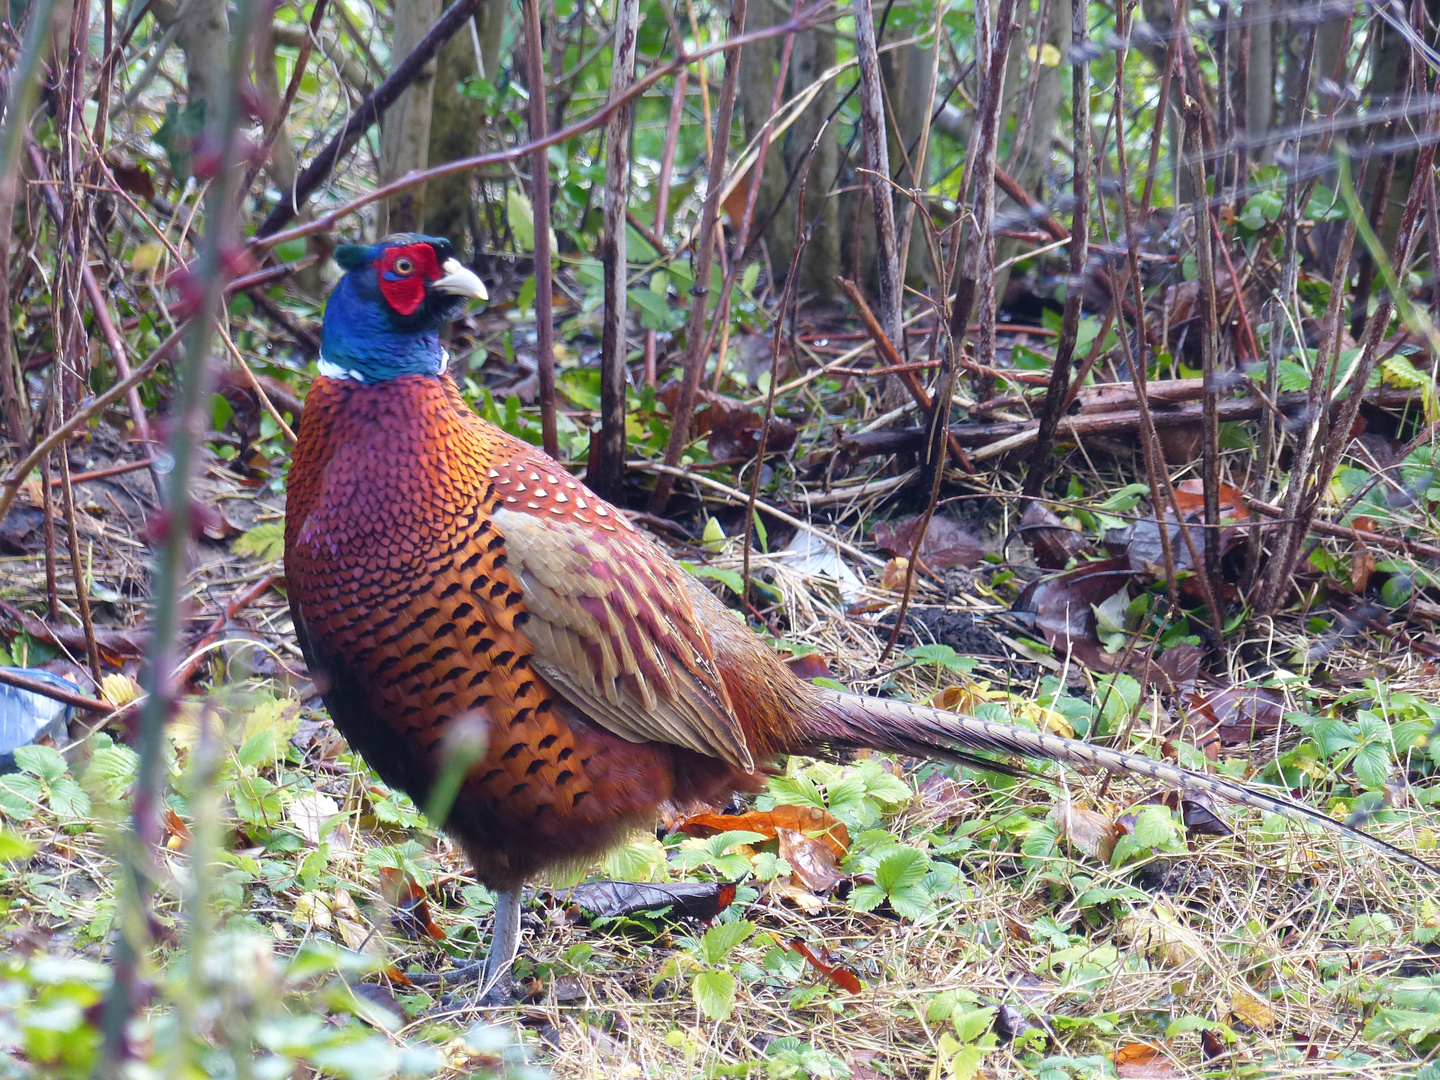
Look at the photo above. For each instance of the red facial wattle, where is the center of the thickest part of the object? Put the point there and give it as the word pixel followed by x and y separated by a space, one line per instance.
pixel 404 273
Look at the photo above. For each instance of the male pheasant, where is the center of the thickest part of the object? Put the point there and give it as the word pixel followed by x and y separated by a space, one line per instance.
pixel 440 570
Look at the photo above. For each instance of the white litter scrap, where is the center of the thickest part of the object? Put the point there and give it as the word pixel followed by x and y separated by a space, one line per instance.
pixel 817 560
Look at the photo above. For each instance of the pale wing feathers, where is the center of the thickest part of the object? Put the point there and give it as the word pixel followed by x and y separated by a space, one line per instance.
pixel 623 646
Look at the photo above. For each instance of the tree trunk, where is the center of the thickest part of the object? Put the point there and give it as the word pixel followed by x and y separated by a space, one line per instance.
pixel 606 471
pixel 812 55
pixel 1260 80
pixel 281 168
pixel 1030 157
pixel 1387 172
pixel 907 85
pixel 490 23
pixel 455 123
pixel 758 72
pixel 203 34
pixel 405 128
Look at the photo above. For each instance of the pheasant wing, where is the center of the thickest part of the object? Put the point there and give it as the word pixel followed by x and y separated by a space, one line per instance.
pixel 612 626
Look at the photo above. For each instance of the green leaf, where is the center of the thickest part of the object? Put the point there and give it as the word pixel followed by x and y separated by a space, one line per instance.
pixel 729 578
pixel 257 801
pixel 971 1024
pixel 798 790
pixel 641 859
pixel 581 386
pixel 110 772
pixel 720 843
pixel 1397 590
pixel 1372 765
pixel 521 216
pixel 368 1057
pixel 911 903
pixel 941 1006
pixel 715 946
pixel 265 541
pixel 1124 500
pixel 177 134
pixel 1331 734
pixel 1399 371
pixel 43 761
pixel 944 656
pixel 14 847
pixel 259 749
pixel 1155 828
pixel 900 868
pixel 882 785
pixel 866 897
pixel 655 311
pixel 68 799
pixel 713 537
pixel 20 795
pixel 220 411
pixel 1119 696
pixel 525 298
pixel 762 534
pixel 1294 377
pixel 715 994
pixel 965 1065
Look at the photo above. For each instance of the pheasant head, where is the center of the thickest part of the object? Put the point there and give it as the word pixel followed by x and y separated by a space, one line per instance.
pixel 383 318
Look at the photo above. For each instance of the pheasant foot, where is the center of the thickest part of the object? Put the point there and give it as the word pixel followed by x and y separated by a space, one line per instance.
pixel 493 972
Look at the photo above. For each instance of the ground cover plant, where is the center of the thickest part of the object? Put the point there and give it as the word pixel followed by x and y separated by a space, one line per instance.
pixel 1168 268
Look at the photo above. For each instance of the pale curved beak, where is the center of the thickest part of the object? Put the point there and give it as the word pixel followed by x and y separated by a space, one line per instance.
pixel 457 280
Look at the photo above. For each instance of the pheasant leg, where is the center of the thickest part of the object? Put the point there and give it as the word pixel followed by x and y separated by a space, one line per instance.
pixel 504 945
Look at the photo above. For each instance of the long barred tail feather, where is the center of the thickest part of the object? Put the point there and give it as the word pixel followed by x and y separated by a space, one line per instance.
pixel 853 721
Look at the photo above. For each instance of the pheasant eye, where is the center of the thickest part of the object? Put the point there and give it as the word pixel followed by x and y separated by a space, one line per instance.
pixel 403 266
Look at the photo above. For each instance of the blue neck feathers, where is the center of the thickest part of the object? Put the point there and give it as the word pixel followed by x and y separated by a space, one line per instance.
pixel 360 338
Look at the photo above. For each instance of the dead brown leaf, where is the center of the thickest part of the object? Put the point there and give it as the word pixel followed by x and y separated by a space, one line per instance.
pixel 1250 1010
pixel 1051 541
pixel 892 575
pixel 812 863
pixel 411 914
pixel 945 545
pixel 1239 715
pixel 1086 830
pixel 733 428
pixel 1062 605
pixel 943 798
pixel 798 895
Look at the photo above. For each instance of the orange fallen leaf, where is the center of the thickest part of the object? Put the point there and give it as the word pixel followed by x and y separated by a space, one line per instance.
pixel 840 975
pixel 176 827
pixel 892 575
pixel 1142 1061
pixel 797 895
pixel 810 820
pixel 1190 497
pixel 412 913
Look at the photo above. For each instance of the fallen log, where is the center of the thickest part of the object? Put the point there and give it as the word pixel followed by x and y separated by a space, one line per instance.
pixel 1001 437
